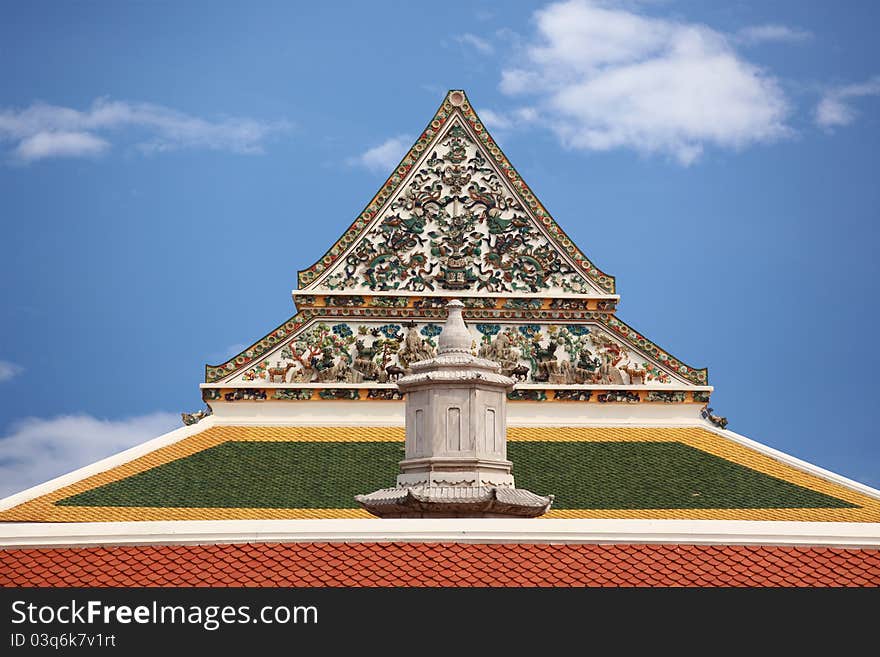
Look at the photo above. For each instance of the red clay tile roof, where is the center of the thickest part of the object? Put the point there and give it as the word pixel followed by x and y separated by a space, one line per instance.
pixel 440 564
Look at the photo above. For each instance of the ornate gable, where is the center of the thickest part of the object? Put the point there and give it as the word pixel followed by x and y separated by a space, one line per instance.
pixel 455 220
pixel 455 217
pixel 329 350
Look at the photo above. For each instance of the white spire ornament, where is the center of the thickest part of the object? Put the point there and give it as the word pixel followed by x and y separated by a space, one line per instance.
pixel 456 439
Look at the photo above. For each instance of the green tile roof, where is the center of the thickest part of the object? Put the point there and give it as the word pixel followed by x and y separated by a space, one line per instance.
pixel 327 475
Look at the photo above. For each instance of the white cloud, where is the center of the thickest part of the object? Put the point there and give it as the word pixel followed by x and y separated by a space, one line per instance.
pixel 476 42
pixel 35 450
pixel 496 120
pixel 385 156
pixel 60 144
pixel 43 131
pixel 771 32
pixel 610 78
pixel 835 108
pixel 9 370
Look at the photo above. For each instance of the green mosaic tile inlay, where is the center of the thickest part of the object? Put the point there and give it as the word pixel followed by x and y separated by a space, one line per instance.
pixel 582 475
pixel 652 475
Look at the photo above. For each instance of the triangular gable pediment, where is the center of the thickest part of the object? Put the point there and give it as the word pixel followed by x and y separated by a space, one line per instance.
pixel 455 217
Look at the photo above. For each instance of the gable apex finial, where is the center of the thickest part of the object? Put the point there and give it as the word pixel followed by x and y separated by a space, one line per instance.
pixel 457 97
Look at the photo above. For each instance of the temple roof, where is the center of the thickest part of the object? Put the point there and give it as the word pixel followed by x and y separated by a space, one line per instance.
pixel 307 417
pixel 248 472
pixel 441 564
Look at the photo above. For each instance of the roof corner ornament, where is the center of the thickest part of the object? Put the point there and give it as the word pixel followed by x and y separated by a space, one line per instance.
pixel 190 419
pixel 709 415
pixel 456 438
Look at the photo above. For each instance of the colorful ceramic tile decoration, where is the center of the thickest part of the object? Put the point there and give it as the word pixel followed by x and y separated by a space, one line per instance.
pixel 453 150
pixel 363 351
pixel 455 220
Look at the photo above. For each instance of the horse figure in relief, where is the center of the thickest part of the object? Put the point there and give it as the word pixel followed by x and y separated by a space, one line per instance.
pixel 279 370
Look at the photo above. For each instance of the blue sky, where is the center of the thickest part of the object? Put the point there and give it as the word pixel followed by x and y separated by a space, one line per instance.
pixel 166 168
